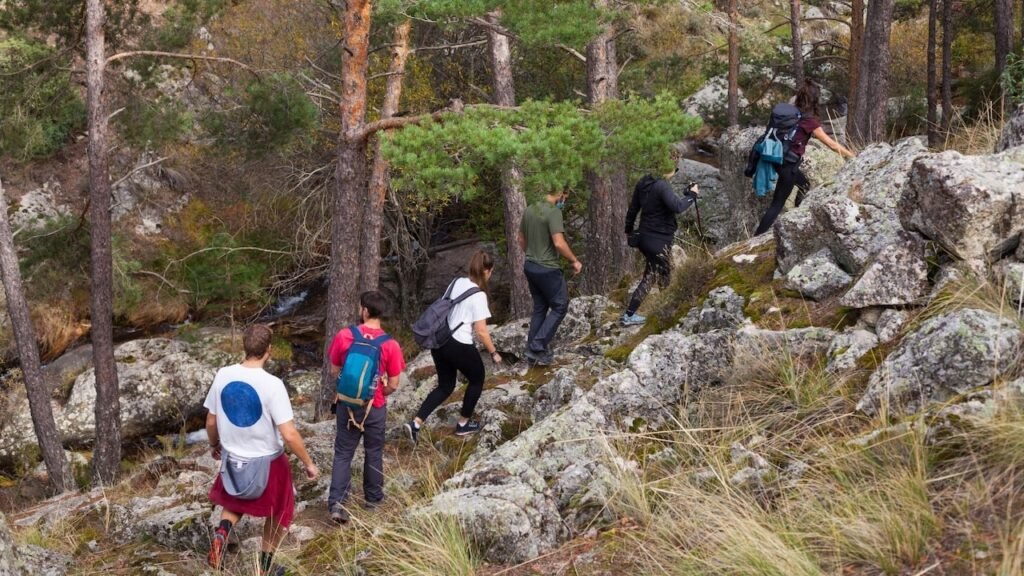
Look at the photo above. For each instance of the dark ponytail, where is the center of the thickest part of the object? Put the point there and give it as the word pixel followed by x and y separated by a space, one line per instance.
pixel 807 97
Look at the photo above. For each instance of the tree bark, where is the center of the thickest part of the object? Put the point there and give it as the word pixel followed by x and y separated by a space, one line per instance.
pixel 369 255
pixel 349 201
pixel 933 128
pixel 1003 32
pixel 106 460
pixel 732 110
pixel 43 423
pixel 798 44
pixel 606 243
pixel 856 43
pixel 511 177
pixel 869 118
pixel 948 33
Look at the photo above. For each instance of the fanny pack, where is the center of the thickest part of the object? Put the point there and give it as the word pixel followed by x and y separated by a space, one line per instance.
pixel 246 478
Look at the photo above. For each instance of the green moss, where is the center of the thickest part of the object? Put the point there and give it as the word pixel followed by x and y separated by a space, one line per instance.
pixel 281 350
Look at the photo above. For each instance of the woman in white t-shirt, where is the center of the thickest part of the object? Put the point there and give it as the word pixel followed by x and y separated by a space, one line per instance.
pixel 467 318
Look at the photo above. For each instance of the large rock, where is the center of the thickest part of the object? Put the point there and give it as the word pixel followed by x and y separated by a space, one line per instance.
pixel 818 277
pixel 586 314
pixel 899 275
pixel 744 208
pixel 948 355
pixel 9 564
pixel 709 101
pixel 849 347
pixel 723 309
pixel 855 215
pixel 754 342
pixel 972 205
pixel 715 211
pixel 162 384
pixel 1013 131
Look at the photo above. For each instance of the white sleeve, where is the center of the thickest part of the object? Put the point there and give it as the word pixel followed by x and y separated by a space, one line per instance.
pixel 211 396
pixel 478 309
pixel 280 406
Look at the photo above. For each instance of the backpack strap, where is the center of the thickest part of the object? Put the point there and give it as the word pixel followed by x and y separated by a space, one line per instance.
pixel 448 292
pixel 379 340
pixel 361 426
pixel 356 334
pixel 466 294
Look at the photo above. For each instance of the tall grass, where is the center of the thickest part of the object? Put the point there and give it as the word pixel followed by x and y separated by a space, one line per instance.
pixel 977 136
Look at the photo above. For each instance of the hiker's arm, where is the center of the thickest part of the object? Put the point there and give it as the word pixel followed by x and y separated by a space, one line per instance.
pixel 293 441
pixel 562 247
pixel 213 435
pixel 675 203
pixel 634 209
pixel 480 327
pixel 392 384
pixel 819 133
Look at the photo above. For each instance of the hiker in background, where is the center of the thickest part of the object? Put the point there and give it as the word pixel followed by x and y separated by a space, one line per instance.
pixel 658 206
pixel 379 357
pixel 789 173
pixel 542 237
pixel 247 408
pixel 458 354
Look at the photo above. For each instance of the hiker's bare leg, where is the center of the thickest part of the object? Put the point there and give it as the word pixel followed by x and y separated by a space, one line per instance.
pixel 273 534
pixel 230 516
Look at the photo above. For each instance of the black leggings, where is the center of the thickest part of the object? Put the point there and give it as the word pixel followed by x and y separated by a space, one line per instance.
pixel 658 269
pixel 451 358
pixel 789 176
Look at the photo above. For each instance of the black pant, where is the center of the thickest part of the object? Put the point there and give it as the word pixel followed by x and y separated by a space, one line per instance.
pixel 346 440
pixel 451 358
pixel 789 176
pixel 550 304
pixel 658 269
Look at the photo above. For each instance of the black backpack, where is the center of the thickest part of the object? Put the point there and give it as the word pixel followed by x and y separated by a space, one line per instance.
pixel 783 124
pixel 431 329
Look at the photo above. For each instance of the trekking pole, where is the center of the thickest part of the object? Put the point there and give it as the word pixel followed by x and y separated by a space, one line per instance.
pixel 700 228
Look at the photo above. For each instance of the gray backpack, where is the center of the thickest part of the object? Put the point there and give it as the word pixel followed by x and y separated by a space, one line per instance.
pixel 431 329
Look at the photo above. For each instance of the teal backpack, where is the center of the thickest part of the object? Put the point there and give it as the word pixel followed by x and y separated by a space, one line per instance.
pixel 358 379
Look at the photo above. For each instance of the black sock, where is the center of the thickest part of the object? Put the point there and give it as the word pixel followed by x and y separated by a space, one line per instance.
pixel 266 558
pixel 225 526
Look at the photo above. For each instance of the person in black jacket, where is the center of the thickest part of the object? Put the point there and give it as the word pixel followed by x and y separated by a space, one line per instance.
pixel 658 206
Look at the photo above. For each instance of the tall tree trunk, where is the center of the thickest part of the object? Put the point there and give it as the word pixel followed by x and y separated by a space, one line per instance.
pixel 948 32
pixel 933 129
pixel 106 460
pixel 606 244
pixel 856 43
pixel 349 201
pixel 869 119
pixel 511 177
pixel 732 110
pixel 28 353
pixel 369 255
pixel 1003 32
pixel 798 44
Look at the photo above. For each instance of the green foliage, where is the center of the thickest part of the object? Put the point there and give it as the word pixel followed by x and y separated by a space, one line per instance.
pixel 153 123
pixel 39 105
pixel 275 113
pixel 553 144
pixel 180 22
pixel 55 254
pixel 223 272
pixel 65 19
pixel 1013 79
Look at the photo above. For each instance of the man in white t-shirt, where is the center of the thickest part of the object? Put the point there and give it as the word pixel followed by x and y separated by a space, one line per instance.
pixel 249 417
pixel 467 318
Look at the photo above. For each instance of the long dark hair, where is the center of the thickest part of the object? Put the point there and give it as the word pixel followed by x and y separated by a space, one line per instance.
pixel 807 98
pixel 479 264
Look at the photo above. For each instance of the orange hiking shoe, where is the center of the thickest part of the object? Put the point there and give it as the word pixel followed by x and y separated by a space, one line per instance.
pixel 217 549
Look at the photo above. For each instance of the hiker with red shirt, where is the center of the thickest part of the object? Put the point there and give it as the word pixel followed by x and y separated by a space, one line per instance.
pixel 356 424
pixel 248 408
pixel 790 175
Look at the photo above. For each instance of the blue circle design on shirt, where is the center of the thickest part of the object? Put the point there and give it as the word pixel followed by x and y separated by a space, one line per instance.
pixel 241 404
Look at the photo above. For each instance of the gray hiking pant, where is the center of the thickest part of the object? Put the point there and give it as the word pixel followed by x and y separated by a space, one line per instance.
pixel 346 440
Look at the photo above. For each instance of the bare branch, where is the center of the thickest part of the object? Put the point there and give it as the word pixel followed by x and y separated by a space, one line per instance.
pixel 384 75
pixel 574 52
pixel 162 279
pixel 398 122
pixel 330 75
pixel 469 44
pixel 135 171
pixel 156 53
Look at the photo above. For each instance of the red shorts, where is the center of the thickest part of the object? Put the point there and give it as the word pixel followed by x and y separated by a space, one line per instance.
pixel 277 501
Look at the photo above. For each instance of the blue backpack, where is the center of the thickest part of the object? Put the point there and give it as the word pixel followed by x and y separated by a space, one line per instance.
pixel 358 379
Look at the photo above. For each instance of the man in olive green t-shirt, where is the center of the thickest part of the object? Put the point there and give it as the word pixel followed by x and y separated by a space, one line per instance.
pixel 542 237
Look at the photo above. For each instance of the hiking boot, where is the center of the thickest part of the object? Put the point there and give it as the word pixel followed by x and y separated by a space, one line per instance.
pixel 633 319
pixel 338 513
pixel 372 504
pixel 539 358
pixel 412 431
pixel 217 549
pixel 467 428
